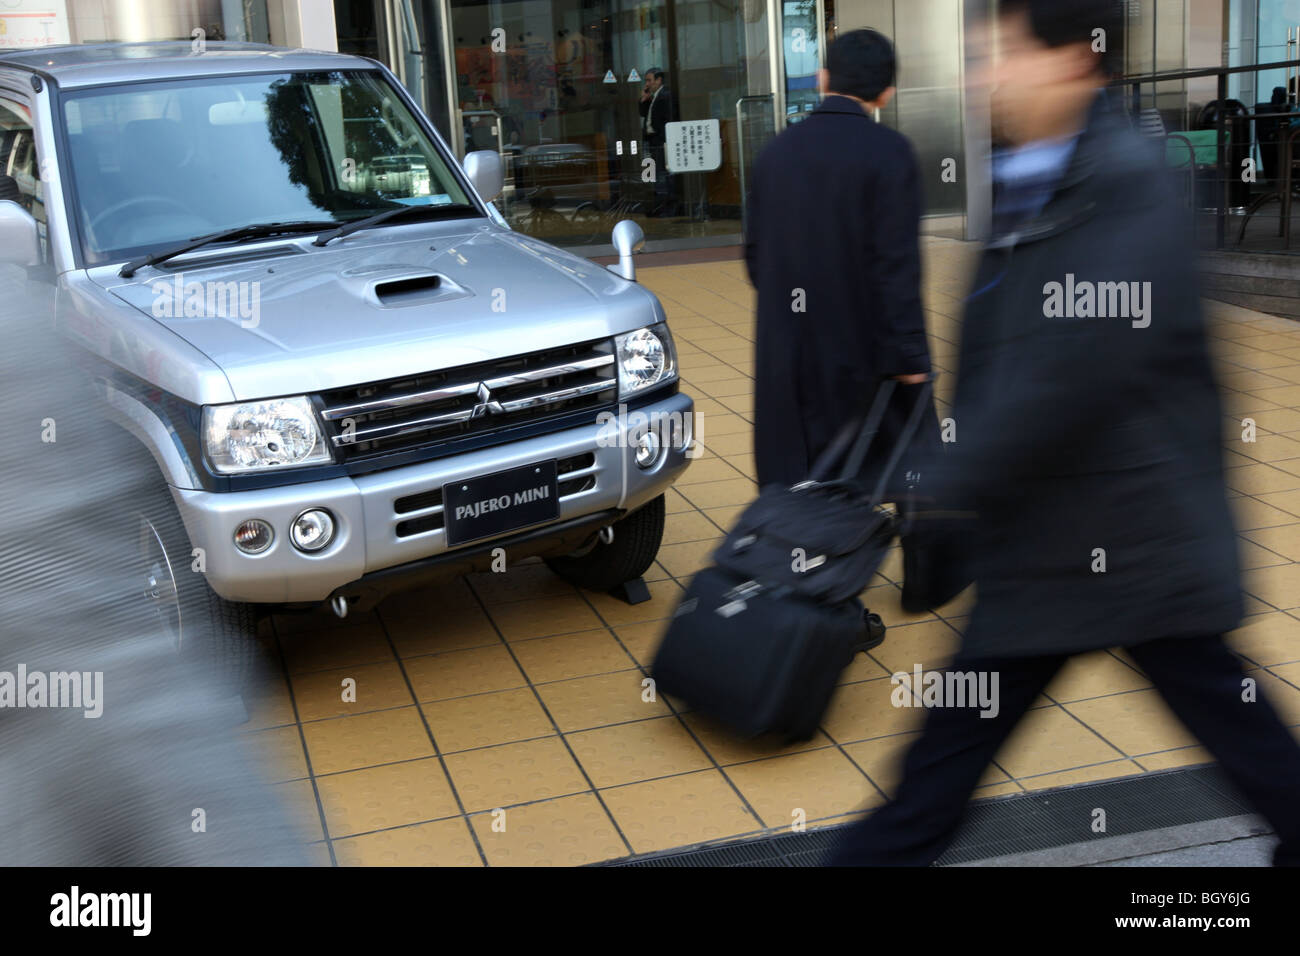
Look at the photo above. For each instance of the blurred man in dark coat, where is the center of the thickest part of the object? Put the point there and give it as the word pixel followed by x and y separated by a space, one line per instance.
pixel 831 246
pixel 1088 429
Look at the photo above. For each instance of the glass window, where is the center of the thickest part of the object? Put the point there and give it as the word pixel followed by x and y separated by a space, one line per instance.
pixel 159 163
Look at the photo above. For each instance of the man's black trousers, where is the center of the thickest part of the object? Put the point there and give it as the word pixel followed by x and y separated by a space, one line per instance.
pixel 1199 678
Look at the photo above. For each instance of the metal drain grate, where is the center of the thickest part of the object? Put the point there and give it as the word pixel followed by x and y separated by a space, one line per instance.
pixel 1001 826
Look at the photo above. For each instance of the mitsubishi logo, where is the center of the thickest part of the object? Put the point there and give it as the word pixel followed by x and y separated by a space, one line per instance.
pixel 486 404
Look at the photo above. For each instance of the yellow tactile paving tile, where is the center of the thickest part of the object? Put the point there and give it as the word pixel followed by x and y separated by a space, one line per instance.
pixel 366 740
pixel 881 759
pixel 478 670
pixel 510 774
pixel 566 831
pixel 868 709
pixel 637 751
pixel 350 690
pixel 486 720
pixel 543 617
pixel 808 785
pixel 441 843
pixel 380 798
pixel 692 808
pixel 566 656
pixel 1048 740
pixel 587 702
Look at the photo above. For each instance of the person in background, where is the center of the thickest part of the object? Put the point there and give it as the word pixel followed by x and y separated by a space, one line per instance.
pixel 832 247
pixel 657 112
pixel 1088 443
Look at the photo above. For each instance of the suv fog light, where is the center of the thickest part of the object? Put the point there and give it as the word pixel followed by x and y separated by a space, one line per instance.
pixel 647 449
pixel 254 536
pixel 312 530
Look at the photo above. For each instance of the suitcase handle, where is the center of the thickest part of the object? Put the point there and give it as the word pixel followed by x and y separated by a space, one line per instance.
pixel 859 436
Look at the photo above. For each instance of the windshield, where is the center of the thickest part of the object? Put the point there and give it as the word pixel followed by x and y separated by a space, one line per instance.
pixel 159 163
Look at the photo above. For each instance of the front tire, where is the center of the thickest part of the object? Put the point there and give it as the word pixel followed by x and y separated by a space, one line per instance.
pixel 216 638
pixel 636 544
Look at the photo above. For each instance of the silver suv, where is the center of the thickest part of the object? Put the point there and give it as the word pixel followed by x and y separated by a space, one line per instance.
pixel 350 374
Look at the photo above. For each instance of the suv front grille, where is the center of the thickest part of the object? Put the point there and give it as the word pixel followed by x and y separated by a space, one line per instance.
pixel 470 400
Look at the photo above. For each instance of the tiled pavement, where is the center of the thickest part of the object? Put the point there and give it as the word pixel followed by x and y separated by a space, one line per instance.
pixel 500 719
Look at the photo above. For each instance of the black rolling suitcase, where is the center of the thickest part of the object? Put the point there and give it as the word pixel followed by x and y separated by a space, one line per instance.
pixel 760 639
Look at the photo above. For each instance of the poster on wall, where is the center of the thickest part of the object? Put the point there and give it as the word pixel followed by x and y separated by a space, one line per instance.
pixel 693 146
pixel 29 23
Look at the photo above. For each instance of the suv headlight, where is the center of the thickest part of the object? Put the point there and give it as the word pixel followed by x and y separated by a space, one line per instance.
pixel 645 359
pixel 251 435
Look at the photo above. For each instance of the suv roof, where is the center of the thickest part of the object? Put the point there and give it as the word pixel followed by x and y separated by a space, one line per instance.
pixel 75 66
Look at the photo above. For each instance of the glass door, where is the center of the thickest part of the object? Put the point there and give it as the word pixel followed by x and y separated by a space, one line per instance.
pixel 561 89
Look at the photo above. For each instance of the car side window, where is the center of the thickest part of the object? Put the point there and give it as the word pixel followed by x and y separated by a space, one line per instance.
pixel 20 167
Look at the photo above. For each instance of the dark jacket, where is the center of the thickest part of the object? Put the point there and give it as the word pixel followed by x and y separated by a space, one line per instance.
pixel 831 246
pixel 1079 434
pixel 661 113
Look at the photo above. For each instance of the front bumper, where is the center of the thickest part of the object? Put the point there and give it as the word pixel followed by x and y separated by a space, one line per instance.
pixel 373 536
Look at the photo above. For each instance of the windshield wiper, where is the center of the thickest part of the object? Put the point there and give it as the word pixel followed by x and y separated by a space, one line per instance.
pixel 256 231
pixel 454 209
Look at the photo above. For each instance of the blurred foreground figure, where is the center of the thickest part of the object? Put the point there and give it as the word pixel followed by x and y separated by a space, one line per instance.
pixel 113 750
pixel 1088 430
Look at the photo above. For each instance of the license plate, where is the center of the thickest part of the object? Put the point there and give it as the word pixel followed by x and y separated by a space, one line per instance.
pixel 494 504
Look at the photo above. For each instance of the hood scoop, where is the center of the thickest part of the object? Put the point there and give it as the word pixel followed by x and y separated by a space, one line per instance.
pixel 420 289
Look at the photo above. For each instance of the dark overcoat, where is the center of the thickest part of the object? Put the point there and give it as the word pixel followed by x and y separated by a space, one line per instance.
pixel 831 245
pixel 1088 423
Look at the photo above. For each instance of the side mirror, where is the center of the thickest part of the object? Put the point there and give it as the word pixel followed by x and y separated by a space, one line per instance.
pixel 628 240
pixel 20 241
pixel 483 167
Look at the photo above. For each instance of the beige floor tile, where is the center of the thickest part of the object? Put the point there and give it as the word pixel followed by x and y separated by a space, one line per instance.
pixel 716 494
pixel 514 773
pixel 679 811
pixel 367 687
pixel 869 709
pixel 479 670
pixel 543 617
pixel 682 561
pixel 708 469
pixel 637 751
pixel 366 740
pixel 1252 513
pixel 1284 540
pixel 444 843
pixel 1048 740
pixel 931 644
pixel 589 702
pixel 1136 723
pixel 693 526
pixel 380 798
pixel 571 655
pixel 814 783
pixel 566 831
pixel 726 445
pixel 1094 675
pixel 863 667
pixel 485 720
pixel 642 640
pixel 1279 586
pixel 1265 639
